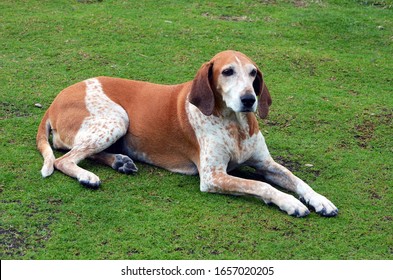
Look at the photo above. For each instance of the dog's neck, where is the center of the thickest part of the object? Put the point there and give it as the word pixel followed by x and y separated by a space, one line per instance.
pixel 245 121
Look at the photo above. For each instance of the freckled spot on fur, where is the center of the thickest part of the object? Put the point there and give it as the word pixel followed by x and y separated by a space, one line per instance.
pixel 107 120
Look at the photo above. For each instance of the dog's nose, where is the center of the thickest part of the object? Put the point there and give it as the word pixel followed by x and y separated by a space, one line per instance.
pixel 248 100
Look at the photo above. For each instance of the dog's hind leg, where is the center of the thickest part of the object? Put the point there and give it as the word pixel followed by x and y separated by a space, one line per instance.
pixel 107 122
pixel 94 136
pixel 68 164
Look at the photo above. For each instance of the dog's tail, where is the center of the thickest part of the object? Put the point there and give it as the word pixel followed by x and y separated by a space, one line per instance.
pixel 44 146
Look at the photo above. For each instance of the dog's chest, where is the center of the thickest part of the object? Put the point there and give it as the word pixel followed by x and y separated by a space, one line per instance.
pixel 223 140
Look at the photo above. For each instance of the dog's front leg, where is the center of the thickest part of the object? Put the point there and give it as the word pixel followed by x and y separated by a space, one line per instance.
pixel 281 176
pixel 218 181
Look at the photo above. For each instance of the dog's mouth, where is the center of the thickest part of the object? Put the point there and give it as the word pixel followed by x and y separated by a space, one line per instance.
pixel 246 109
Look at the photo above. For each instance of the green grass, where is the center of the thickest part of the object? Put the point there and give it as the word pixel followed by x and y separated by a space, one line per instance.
pixel 328 66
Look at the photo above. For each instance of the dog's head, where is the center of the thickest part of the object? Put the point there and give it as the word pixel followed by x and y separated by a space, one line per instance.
pixel 230 80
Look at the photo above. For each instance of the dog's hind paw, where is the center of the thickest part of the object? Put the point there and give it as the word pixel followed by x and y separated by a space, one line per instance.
pixel 124 164
pixel 89 180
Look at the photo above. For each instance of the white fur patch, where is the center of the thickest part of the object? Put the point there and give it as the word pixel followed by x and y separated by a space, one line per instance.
pixel 234 86
pixel 107 122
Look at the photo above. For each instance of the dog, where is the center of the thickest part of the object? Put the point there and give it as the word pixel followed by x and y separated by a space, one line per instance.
pixel 206 126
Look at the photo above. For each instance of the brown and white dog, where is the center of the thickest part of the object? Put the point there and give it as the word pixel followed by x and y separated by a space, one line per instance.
pixel 206 126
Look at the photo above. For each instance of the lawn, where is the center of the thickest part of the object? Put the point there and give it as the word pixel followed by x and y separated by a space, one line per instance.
pixel 328 66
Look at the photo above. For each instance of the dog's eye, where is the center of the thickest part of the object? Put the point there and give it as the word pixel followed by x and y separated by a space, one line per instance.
pixel 228 72
pixel 253 73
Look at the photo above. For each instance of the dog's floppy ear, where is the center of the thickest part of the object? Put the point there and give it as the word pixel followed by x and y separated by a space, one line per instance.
pixel 264 98
pixel 201 94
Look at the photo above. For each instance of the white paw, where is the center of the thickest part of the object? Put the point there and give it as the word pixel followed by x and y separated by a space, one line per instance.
pixel 47 170
pixel 48 167
pixel 292 206
pixel 89 179
pixel 321 204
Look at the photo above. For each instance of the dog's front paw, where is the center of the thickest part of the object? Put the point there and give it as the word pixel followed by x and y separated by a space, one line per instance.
pixel 292 206
pixel 124 164
pixel 320 204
